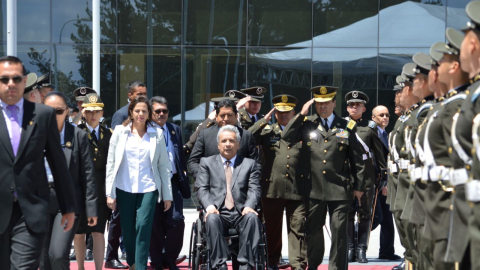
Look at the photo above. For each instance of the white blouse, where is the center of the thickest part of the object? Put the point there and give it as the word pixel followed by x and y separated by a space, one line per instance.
pixel 136 174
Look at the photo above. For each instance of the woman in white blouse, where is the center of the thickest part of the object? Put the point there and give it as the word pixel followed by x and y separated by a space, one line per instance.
pixel 138 176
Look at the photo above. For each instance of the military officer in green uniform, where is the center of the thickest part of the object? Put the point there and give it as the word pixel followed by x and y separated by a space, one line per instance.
pixel 99 138
pixel 372 155
pixel 464 201
pixel 278 193
pixel 79 95
pixel 330 173
pixel 249 114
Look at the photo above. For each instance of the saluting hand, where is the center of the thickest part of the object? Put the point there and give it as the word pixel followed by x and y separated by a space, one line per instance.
pixel 111 203
pixel 212 115
pixel 306 107
pixel 268 116
pixel 92 221
pixel 241 103
pixel 166 205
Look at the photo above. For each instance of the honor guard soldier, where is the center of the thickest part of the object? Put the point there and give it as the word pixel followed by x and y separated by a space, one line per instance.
pixel 99 142
pixel 465 197
pixel 79 95
pixel 278 191
pixel 249 114
pixel 372 155
pixel 329 173
pixel 44 86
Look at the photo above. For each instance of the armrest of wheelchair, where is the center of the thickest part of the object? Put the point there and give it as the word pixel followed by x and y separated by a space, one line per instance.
pixel 200 208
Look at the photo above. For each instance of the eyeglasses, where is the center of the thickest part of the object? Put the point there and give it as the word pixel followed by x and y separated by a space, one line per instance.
pixel 384 115
pixel 60 111
pixel 165 111
pixel 15 79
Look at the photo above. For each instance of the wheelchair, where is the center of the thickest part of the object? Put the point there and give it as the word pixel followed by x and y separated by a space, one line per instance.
pixel 200 254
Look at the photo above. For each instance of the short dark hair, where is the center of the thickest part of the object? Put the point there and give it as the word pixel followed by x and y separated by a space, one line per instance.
pixel 133 103
pixel 13 59
pixel 75 110
pixel 226 103
pixel 56 94
pixel 132 85
pixel 159 100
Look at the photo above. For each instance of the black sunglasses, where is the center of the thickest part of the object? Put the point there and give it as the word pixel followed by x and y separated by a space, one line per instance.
pixel 165 111
pixel 15 79
pixel 384 115
pixel 60 111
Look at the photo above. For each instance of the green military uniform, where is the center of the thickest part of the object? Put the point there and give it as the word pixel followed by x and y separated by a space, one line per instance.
pixel 330 169
pixel 257 94
pixel 278 172
pixel 79 95
pixel 372 148
pixel 99 144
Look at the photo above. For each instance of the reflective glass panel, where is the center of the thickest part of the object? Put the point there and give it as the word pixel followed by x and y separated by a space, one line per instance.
pixel 215 22
pixel 345 23
pixel 348 69
pixel 74 69
pixel 3 20
pixel 280 22
pixel 72 21
pixel 164 17
pixel 35 58
pixel 33 21
pixel 209 73
pixel 280 71
pixel 411 23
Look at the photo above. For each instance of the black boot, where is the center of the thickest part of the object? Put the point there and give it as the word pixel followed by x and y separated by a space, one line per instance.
pixel 351 240
pixel 363 232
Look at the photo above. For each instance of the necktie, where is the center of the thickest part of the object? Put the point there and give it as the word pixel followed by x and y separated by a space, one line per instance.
pixel 325 124
pixel 165 134
pixel 385 138
pixel 15 127
pixel 228 175
pixel 253 119
pixel 94 136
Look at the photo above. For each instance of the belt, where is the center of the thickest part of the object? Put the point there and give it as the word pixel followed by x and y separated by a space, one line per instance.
pixel 51 185
pixel 472 191
pixel 415 173
pixel 403 163
pixel 392 167
pixel 438 173
pixel 458 177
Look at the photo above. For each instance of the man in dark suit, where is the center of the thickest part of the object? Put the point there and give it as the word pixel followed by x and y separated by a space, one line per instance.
pixel 228 187
pixel 168 227
pixel 383 216
pixel 205 146
pixel 28 133
pixel 135 89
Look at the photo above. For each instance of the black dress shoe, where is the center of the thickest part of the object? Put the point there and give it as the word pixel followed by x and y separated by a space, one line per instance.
pixel 351 255
pixel 393 257
pixel 401 266
pixel 180 259
pixel 361 255
pixel 172 266
pixel 72 256
pixel 222 267
pixel 272 267
pixel 115 264
pixel 88 255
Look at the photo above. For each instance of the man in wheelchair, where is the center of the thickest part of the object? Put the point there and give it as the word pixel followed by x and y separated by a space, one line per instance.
pixel 228 187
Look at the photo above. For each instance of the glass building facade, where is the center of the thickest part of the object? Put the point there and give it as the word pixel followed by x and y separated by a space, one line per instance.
pixel 192 50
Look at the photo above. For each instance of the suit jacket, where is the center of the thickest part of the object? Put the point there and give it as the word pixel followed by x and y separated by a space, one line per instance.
pixel 187 148
pixel 180 160
pixel 82 169
pixel 99 153
pixel 162 170
pixel 206 145
pixel 120 116
pixel 211 183
pixel 331 164
pixel 25 173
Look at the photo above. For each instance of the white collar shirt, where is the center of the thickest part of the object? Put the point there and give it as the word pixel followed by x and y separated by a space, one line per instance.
pixel 97 130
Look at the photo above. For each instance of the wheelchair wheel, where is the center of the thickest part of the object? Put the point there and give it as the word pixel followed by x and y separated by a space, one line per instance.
pixel 197 248
pixel 192 246
pixel 261 258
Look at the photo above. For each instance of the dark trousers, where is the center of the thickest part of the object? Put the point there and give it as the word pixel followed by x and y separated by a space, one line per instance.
pixel 114 233
pixel 248 227
pixel 20 248
pixel 168 229
pixel 316 215
pixel 56 247
pixel 384 218
pixel 273 214
pixel 137 211
pixel 401 232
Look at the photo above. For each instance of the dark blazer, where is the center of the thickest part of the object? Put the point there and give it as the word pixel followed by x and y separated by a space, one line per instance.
pixel 26 173
pixel 206 145
pixel 211 183
pixel 331 165
pixel 99 152
pixel 82 169
pixel 120 116
pixel 180 160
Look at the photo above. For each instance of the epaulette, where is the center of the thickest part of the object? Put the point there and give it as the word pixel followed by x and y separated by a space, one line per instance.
pixel 351 124
pixel 458 96
pixel 267 127
pixel 210 124
pixel 372 124
pixel 424 107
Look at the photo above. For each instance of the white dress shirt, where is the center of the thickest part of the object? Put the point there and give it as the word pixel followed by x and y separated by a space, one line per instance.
pixel 232 162
pixel 170 148
pixel 97 130
pixel 251 115
pixel 329 120
pixel 136 174
pixel 6 115
pixel 380 132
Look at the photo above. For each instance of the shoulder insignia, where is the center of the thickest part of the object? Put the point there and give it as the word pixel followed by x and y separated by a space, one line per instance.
pixel 351 124
pixel 267 127
pixel 210 124
pixel 305 119
pixel 372 124
pixel 424 107
pixel 458 96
